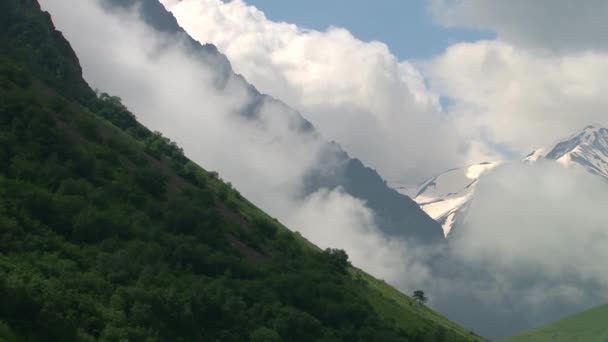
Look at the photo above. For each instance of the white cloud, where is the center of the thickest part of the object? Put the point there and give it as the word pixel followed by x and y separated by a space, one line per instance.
pixel 357 93
pixel 173 92
pixel 352 228
pixel 533 240
pixel 542 216
pixel 552 25
pixel 518 98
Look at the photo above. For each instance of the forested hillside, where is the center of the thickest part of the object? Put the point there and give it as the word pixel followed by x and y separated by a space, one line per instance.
pixel 108 232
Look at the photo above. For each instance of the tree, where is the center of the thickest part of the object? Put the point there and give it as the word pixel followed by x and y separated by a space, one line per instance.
pixel 420 297
pixel 338 258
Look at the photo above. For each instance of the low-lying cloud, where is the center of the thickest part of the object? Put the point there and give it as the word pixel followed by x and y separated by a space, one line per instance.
pixel 532 244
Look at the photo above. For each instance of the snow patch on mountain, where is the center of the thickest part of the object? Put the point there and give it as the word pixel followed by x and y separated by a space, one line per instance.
pixel 443 197
pixel 447 195
pixel 587 149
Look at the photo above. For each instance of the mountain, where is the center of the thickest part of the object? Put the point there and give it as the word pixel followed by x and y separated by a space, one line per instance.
pixel 586 326
pixel 108 232
pixel 395 214
pixel 445 196
pixel 587 149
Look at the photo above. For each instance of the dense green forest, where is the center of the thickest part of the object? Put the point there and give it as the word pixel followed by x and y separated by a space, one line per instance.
pixel 108 232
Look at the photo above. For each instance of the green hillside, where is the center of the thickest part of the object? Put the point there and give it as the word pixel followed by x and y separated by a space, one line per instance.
pixel 108 232
pixel 588 326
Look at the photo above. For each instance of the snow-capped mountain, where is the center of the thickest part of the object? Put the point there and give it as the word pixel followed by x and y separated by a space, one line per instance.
pixel 587 149
pixel 447 195
pixel 444 196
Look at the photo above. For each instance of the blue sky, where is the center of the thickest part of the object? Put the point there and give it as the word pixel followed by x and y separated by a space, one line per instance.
pixel 405 26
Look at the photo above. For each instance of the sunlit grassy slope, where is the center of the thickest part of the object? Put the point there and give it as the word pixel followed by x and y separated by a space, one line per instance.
pixel 394 305
pixel 588 326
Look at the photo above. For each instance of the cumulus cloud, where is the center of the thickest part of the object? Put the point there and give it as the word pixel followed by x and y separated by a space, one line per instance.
pixel 518 98
pixel 552 25
pixel 174 92
pixel 546 217
pixel 356 93
pixel 540 80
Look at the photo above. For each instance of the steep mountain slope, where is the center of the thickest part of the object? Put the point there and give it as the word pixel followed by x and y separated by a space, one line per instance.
pixel 109 233
pixel 395 214
pixel 446 196
pixel 586 326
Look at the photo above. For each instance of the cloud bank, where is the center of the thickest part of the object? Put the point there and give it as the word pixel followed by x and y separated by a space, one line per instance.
pixel 540 80
pixel 356 93
pixel 518 98
pixel 529 249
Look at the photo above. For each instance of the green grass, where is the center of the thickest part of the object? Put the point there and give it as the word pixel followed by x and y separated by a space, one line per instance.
pixel 393 305
pixel 588 326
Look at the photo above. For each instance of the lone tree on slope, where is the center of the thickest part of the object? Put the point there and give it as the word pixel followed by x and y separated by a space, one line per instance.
pixel 419 297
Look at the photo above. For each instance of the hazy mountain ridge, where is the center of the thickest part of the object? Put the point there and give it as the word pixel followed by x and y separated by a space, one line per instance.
pixel 396 215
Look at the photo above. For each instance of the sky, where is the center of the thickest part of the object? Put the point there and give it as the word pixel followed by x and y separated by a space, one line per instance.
pixel 407 27
pixel 528 239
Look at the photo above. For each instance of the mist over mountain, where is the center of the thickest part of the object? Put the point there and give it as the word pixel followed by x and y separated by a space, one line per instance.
pixel 446 197
pixel 523 237
pixel 333 168
pixel 109 232
pixel 521 234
